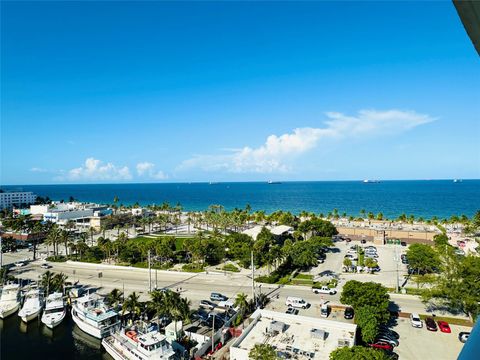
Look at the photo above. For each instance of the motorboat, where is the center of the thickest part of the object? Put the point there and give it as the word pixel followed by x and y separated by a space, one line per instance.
pixel 138 342
pixel 9 300
pixel 32 305
pixel 94 317
pixel 55 310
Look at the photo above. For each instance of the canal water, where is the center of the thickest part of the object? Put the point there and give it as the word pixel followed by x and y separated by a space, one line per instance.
pixel 20 341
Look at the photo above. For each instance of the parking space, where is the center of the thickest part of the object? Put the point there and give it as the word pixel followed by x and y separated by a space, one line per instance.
pixel 418 343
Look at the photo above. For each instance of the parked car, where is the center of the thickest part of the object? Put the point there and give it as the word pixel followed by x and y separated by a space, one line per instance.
pixel 415 320
pixel 208 304
pixel 351 256
pixel 459 252
pixel 324 290
pixel 217 297
pixel 349 313
pixel 363 241
pixel 403 243
pixel 430 324
pixel 292 311
pixel 444 327
pixel 19 264
pixel 371 255
pixel 381 345
pixel 324 310
pixel 370 247
pixel 218 321
pixel 383 329
pixel 387 339
pixel 348 240
pixel 200 315
pixel 463 336
pixel 46 266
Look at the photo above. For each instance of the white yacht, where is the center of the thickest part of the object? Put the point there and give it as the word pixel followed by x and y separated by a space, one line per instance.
pixel 32 305
pixel 9 300
pixel 133 343
pixel 55 310
pixel 94 317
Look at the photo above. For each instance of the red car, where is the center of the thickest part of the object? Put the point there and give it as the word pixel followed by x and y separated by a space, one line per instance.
pixel 444 327
pixel 381 345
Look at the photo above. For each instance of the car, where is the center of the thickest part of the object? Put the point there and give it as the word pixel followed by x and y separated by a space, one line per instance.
pixel 375 268
pixel 387 339
pixel 208 304
pixel 384 329
pixel 415 320
pixel 463 336
pixel 46 266
pixel 459 252
pixel 324 290
pixel 371 255
pixel 461 243
pixel 348 240
pixel 292 311
pixel 403 243
pixel 363 241
pixel 349 313
pixel 19 264
pixel 351 257
pixel 200 315
pixel 217 297
pixel 296 302
pixel 210 321
pixel 381 345
pixel 444 327
pixel 430 324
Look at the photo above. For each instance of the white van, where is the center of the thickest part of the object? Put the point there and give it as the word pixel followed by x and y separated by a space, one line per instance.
pixel 296 302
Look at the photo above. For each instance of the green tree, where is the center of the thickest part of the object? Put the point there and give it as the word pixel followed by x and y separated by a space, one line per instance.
pixel 367 321
pixel 358 353
pixel 441 240
pixel 114 297
pixel 423 258
pixel 359 294
pixel 263 352
pixel 133 305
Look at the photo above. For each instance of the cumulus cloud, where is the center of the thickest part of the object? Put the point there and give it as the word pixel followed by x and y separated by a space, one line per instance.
pixel 147 169
pixel 270 157
pixel 94 169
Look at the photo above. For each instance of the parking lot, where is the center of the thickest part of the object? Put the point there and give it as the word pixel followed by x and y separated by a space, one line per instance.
pixel 423 344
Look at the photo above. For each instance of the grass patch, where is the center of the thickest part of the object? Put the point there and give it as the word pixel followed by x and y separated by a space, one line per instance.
pixel 192 268
pixel 304 276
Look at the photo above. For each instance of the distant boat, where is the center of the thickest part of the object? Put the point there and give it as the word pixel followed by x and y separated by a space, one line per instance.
pixel 457 180
pixel 367 181
pixel 270 182
pixel 213 183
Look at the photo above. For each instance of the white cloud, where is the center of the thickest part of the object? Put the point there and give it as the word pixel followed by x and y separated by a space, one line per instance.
pixel 147 169
pixel 277 150
pixel 38 170
pixel 94 169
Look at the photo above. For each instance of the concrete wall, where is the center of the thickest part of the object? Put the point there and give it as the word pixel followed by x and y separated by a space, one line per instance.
pixel 369 234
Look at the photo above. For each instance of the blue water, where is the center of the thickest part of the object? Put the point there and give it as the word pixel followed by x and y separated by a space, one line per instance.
pixel 441 198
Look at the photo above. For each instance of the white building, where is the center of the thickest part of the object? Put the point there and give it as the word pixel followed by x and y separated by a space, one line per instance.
pixel 301 337
pixel 11 199
pixel 278 230
pixel 62 216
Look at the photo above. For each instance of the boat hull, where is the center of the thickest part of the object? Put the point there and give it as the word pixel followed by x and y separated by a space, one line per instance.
pixel 53 322
pixel 112 351
pixel 87 328
pixel 29 317
pixel 5 312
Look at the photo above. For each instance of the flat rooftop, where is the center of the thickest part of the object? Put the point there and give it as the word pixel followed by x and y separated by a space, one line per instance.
pixel 302 336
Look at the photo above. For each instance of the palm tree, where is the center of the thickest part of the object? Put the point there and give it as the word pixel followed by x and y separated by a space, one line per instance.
pixel 242 303
pixel 132 305
pixel 82 247
pixel 114 297
pixel 65 237
pixel 263 352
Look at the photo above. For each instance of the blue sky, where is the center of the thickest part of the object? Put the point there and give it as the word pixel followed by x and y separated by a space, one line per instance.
pixel 148 92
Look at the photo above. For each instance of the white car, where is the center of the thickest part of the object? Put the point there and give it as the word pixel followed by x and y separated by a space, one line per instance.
pixel 351 257
pixel 324 290
pixel 19 264
pixel 415 320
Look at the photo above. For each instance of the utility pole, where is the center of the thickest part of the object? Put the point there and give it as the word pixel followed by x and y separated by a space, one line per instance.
pixel 213 332
pixel 156 279
pixel 396 262
pixel 149 273
pixel 253 276
pixel 1 252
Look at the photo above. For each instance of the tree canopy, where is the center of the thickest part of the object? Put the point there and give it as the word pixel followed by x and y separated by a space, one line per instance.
pixel 358 353
pixel 423 258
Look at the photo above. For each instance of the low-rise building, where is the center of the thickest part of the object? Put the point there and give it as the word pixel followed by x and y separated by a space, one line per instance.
pixel 277 231
pixel 293 336
pixel 10 199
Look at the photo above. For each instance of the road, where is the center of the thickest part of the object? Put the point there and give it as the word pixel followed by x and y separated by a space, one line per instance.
pixel 195 287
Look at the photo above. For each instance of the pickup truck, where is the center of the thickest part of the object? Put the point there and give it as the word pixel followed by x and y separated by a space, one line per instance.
pixel 324 290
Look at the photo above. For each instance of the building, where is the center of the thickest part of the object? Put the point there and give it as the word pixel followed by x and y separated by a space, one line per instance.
pixel 10 199
pixel 293 336
pixel 278 231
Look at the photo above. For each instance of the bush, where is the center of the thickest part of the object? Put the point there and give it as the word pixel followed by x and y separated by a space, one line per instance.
pixel 192 268
pixel 58 258
pixel 271 279
pixel 230 267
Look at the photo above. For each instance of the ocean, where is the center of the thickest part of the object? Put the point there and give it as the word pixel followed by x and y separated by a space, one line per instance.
pixel 425 198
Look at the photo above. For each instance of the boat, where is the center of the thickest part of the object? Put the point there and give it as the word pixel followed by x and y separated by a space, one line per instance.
pixel 270 182
pixel 55 310
pixel 94 317
pixel 368 181
pixel 9 300
pixel 457 180
pixel 32 305
pixel 138 342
